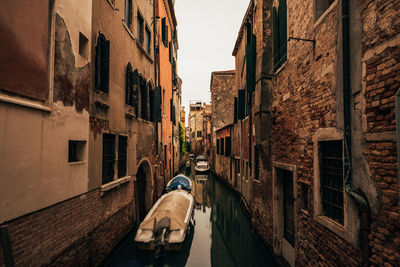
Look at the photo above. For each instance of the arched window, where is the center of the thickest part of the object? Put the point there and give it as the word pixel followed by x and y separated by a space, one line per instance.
pixel 102 63
pixel 280 34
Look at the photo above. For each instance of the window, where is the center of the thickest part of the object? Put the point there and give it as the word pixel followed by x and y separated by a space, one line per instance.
pixel 321 6
pixel 218 146
pixel 76 150
pixel 280 34
pixel 83 45
pixel 256 164
pixel 288 204
pixel 140 24
pixel 144 99
pixel 108 158
pixel 163 102
pixel 164 31
pixel 304 196
pixel 246 170
pixel 198 133
pixel 331 179
pixel 193 134
pixel 122 155
pixel 222 146
pixel 128 13
pixel 228 146
pixel 147 40
pixel 102 64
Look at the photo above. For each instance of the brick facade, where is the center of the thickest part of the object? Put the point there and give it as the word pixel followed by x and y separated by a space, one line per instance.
pixel 300 104
pixel 80 231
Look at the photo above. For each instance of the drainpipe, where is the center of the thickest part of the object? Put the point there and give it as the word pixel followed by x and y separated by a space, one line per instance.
pixel 359 198
pixel 398 132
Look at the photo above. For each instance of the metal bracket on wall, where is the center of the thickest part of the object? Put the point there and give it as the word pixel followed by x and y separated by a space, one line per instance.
pixel 303 40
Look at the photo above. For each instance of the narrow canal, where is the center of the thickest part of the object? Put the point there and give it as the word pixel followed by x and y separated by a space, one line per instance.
pixel 221 235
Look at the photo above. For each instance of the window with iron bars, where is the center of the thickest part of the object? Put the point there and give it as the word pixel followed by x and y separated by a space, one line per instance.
pixel 331 179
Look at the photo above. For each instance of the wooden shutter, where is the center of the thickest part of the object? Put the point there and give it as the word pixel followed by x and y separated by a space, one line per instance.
pixel 97 69
pixel 163 22
pixel 129 13
pixel 105 66
pixel 282 14
pixel 251 64
pixel 128 85
pixel 156 104
pixel 241 104
pixel 235 110
pixel 276 36
pixel 135 90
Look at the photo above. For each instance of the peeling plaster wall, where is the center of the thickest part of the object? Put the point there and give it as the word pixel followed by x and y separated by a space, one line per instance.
pixel 34 143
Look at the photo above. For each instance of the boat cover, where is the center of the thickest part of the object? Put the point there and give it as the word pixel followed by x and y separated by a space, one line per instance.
pixel 179 180
pixel 174 206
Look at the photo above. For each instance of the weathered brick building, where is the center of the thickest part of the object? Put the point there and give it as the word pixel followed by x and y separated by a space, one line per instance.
pixel 222 87
pixel 81 158
pixel 315 129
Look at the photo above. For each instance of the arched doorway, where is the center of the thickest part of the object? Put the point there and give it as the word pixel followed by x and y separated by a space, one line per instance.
pixel 144 189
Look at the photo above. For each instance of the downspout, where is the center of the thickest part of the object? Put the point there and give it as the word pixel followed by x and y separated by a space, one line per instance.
pixel 359 198
pixel 398 132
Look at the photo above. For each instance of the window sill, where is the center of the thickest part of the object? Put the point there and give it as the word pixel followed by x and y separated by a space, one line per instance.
pixel 114 184
pixel 323 16
pixel 24 102
pixel 139 44
pixel 129 112
pixel 101 99
pixel 280 68
pixel 332 225
pixel 128 30
pixel 77 162
pixel 111 4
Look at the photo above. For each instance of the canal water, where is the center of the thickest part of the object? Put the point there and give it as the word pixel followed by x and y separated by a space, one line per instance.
pixel 221 235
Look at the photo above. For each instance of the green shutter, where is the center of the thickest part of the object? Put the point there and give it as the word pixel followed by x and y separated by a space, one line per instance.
pixel 276 36
pixel 282 30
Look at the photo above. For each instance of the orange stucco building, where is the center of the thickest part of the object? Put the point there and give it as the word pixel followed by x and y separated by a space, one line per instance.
pixel 166 46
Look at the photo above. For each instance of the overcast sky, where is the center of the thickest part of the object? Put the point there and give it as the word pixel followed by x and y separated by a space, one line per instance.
pixel 207 32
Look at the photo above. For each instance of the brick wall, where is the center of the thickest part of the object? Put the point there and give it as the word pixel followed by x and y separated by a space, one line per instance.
pixel 381 59
pixel 76 232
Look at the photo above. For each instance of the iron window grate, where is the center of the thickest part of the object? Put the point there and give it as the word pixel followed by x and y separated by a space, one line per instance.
pixel 331 179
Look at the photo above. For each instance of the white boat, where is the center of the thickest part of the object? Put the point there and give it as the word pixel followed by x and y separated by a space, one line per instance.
pixel 166 224
pixel 202 166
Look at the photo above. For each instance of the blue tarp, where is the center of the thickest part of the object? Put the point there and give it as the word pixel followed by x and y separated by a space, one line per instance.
pixel 179 180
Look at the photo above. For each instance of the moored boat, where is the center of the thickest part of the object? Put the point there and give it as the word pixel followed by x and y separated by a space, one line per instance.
pixel 202 166
pixel 167 222
pixel 179 182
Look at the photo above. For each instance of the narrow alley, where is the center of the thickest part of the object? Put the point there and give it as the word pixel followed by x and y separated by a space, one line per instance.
pixel 200 133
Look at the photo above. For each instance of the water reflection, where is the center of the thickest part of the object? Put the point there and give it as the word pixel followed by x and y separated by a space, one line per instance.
pixel 221 236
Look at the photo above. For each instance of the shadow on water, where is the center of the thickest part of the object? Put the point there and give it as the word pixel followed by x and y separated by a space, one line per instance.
pixel 221 235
